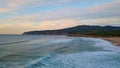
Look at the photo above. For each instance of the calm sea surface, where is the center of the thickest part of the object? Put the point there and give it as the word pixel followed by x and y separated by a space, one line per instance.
pixel 49 51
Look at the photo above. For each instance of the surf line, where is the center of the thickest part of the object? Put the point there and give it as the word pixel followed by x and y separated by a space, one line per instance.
pixel 42 61
pixel 46 59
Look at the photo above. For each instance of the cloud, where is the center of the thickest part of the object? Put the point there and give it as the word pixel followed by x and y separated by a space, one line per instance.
pixel 105 14
pixel 14 25
pixel 14 5
pixel 4 10
pixel 10 28
pixel 17 3
pixel 100 21
pixel 58 24
pixel 18 27
pixel 110 10
pixel 106 10
pixel 45 25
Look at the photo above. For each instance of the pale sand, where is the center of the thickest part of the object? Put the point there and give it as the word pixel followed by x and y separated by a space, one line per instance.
pixel 114 40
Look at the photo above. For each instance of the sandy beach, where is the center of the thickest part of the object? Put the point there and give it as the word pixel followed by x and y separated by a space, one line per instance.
pixel 114 40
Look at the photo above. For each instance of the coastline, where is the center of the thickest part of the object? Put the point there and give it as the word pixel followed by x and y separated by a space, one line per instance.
pixel 113 40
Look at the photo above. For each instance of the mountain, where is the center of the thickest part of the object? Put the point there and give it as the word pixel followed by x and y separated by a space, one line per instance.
pixel 81 30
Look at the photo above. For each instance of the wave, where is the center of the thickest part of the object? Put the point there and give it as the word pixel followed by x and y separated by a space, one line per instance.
pixel 54 41
pixel 106 45
pixel 41 62
pixel 96 59
pixel 14 42
pixel 99 59
pixel 18 41
pixel 45 60
pixel 73 56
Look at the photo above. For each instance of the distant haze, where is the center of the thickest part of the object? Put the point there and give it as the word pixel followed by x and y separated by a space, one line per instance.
pixel 18 16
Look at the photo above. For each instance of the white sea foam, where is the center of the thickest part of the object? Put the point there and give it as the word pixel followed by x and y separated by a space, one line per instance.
pixel 96 59
pixel 86 60
pixel 99 59
pixel 40 61
pixel 105 44
pixel 66 55
pixel 55 41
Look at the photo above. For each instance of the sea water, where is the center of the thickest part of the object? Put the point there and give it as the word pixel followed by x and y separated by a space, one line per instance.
pixel 54 51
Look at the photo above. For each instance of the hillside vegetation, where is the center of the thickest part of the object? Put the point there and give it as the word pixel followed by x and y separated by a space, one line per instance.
pixel 82 30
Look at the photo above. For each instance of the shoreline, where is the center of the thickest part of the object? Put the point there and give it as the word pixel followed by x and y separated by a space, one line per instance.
pixel 113 40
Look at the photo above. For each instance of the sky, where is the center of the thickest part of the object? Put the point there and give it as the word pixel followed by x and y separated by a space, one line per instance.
pixel 18 16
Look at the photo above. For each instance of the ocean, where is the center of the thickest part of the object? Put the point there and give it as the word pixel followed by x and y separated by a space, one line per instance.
pixel 55 51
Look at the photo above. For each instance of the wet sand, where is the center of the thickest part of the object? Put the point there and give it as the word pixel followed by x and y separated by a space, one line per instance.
pixel 114 40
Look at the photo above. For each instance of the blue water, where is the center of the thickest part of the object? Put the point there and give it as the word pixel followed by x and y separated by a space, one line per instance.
pixel 49 51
